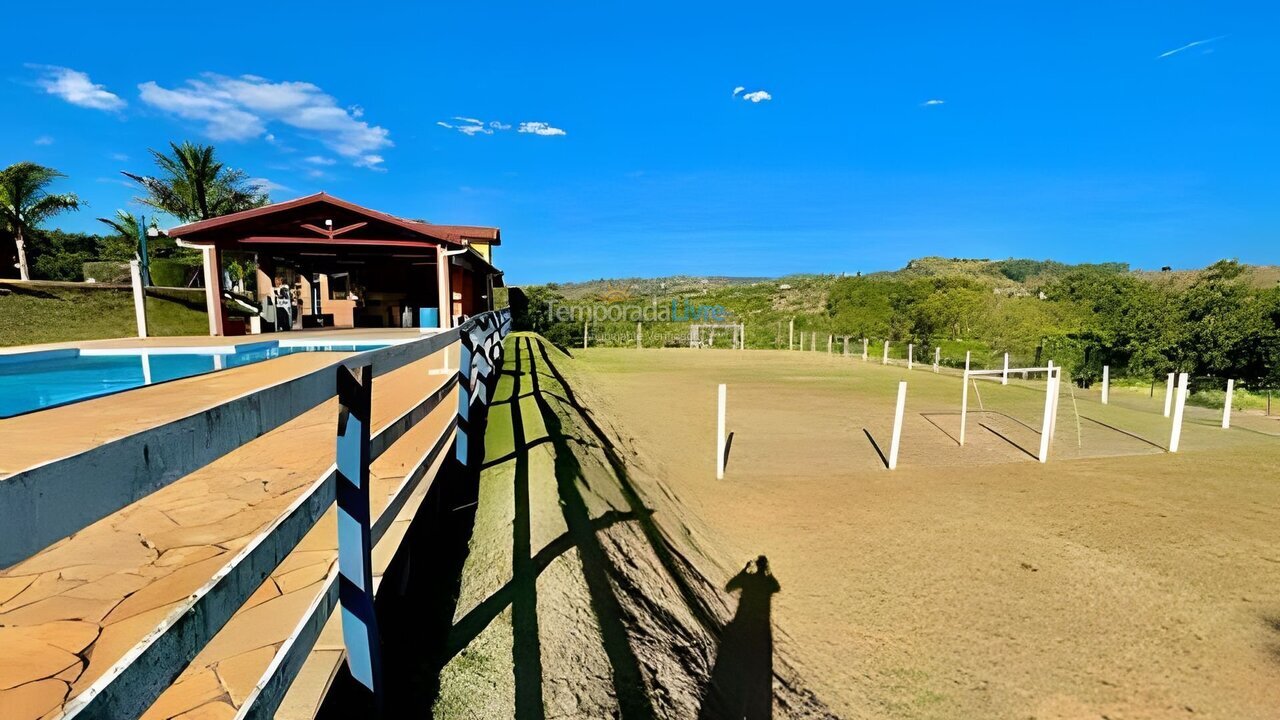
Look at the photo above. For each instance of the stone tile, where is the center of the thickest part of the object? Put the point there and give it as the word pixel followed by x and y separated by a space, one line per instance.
pixel 87 573
pixel 46 585
pixel 267 624
pixel 111 587
pixel 265 592
pixel 206 512
pixel 188 693
pixel 32 700
pixel 302 577
pixel 11 586
pixel 168 589
pixel 26 659
pixel 114 641
pixel 98 544
pixel 58 607
pixel 209 711
pixel 70 635
pixel 240 673
pixel 186 555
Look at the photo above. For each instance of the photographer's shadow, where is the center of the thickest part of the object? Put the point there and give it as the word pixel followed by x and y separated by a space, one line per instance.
pixel 741 684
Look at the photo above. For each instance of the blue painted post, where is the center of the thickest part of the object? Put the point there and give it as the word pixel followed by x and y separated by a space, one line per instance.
pixel 464 397
pixel 355 547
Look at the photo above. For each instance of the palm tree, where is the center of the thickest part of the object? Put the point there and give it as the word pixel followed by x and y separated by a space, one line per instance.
pixel 122 244
pixel 194 185
pixel 25 203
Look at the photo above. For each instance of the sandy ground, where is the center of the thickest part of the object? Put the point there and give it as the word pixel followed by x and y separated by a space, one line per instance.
pixel 1116 581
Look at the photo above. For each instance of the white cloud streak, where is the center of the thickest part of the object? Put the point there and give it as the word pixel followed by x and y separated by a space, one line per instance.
pixel 241 109
pixel 540 128
pixel 932 103
pixel 738 90
pixel 76 88
pixel 44 140
pixel 757 97
pixel 1188 46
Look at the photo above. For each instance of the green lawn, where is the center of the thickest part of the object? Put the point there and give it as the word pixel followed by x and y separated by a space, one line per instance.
pixel 56 312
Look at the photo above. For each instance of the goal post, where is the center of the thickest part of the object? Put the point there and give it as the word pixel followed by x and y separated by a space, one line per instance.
pixel 731 335
pixel 1048 411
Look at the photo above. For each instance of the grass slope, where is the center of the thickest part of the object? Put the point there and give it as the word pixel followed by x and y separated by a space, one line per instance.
pixel 34 313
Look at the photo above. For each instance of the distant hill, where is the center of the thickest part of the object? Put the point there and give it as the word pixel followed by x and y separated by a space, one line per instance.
pixel 1009 273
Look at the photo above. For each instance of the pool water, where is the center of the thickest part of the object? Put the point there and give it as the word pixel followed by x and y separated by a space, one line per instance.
pixel 43 380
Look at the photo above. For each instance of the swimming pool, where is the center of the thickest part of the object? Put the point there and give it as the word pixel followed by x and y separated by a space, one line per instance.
pixel 44 379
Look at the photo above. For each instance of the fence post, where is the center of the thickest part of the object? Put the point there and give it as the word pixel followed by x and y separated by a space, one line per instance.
pixel 830 341
pixel 355 547
pixel 791 334
pixel 584 333
pixel 139 298
pixel 911 352
pixel 885 360
pixel 1226 405
pixel 897 424
pixel 1168 394
pixel 846 346
pixel 1046 423
pixel 864 349
pixel 937 357
pixel 813 341
pixel 720 436
pixel 1106 383
pixel 964 399
pixel 1175 434
pixel 1004 377
pixel 639 344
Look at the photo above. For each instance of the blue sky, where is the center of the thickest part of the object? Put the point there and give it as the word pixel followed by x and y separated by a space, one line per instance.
pixel 1064 130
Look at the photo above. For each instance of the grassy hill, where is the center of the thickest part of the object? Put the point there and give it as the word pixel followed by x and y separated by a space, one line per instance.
pixel 44 312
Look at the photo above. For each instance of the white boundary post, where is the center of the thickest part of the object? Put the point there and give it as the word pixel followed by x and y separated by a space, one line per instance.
pixel 813 341
pixel 1106 383
pixel 897 424
pixel 911 350
pixel 937 357
pixel 885 360
pixel 964 399
pixel 830 341
pixel 720 437
pixel 1055 377
pixel 1226 405
pixel 1046 423
pixel 639 344
pixel 139 298
pixel 791 334
pixel 846 346
pixel 1168 395
pixel 1175 434
pixel 1004 378
pixel 864 349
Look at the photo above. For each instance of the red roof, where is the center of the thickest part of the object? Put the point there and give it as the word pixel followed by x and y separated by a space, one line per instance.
pixel 281 218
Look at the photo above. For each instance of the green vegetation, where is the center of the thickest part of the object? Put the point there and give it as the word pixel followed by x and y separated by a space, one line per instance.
pixel 1219 322
pixel 50 312
pixel 25 203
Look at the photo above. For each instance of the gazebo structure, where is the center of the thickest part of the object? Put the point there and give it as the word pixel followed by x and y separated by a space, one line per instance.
pixel 344 266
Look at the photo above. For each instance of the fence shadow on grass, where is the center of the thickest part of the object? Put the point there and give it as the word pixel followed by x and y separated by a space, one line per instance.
pixel 741 684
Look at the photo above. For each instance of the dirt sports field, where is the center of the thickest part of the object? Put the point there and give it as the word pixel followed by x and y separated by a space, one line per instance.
pixel 610 573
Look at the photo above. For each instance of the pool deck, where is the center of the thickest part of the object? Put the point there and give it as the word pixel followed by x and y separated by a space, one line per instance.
pixel 47 435
pixel 71 611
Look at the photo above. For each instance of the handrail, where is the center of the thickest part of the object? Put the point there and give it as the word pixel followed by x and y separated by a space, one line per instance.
pixel 142 674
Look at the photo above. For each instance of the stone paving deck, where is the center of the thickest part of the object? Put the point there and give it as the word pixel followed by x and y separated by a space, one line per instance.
pixel 71 611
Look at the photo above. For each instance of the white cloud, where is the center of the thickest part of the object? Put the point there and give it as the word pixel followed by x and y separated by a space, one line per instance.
pixel 118 157
pixel 540 128
pixel 738 90
pixel 76 88
pixel 931 103
pixel 268 186
pixel 1188 46
pixel 241 108
pixel 319 160
pixel 757 96
pixel 500 125
pixel 44 140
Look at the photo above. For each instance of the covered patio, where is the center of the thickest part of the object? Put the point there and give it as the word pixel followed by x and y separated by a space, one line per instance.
pixel 322 262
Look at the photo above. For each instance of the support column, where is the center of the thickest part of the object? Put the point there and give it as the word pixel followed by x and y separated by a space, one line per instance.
pixel 140 300
pixel 444 289
pixel 213 288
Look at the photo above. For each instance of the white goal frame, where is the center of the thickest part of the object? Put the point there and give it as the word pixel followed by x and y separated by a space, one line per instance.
pixel 1053 384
